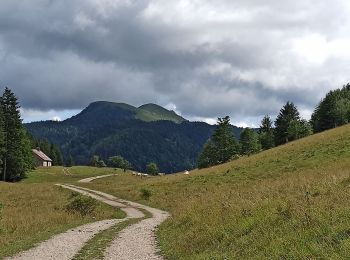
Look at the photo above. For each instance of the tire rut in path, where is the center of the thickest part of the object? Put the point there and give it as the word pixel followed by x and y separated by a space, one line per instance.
pixel 137 241
pixel 66 245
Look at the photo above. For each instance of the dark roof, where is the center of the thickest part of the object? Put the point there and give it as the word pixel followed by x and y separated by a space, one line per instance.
pixel 41 155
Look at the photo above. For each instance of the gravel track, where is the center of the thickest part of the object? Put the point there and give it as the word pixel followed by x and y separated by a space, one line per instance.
pixel 87 180
pixel 131 212
pixel 138 241
pixel 135 242
pixel 66 245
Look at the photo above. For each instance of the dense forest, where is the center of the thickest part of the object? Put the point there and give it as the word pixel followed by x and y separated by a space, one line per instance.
pixel 140 135
pixel 152 134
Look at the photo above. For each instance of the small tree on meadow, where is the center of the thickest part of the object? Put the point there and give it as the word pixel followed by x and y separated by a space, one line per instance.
pixel 152 169
pixel 119 162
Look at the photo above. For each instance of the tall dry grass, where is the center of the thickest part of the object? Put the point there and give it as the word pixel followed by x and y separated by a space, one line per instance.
pixel 34 212
pixel 291 202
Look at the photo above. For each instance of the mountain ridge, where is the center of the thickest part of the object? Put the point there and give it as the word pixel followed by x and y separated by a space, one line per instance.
pixel 149 133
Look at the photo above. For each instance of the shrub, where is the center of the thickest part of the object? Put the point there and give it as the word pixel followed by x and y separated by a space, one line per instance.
pixel 82 205
pixel 145 194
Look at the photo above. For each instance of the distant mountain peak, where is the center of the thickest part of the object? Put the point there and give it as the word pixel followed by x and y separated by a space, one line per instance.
pixel 147 112
pixel 154 112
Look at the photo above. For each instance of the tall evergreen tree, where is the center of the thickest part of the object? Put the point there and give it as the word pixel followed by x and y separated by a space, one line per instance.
pixel 17 158
pixel 2 138
pixel 221 147
pixel 208 156
pixel 266 133
pixel 333 110
pixel 249 142
pixel 288 114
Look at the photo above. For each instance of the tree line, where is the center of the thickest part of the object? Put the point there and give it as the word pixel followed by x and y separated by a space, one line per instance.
pixel 332 111
pixel 121 163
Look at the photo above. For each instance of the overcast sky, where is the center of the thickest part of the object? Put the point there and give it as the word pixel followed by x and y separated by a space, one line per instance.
pixel 204 59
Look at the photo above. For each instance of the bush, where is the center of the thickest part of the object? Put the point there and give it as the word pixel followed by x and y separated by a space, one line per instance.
pixel 82 205
pixel 145 194
pixel 152 169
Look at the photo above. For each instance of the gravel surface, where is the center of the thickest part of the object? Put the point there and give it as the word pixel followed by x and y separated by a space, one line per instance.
pixel 138 241
pixel 87 180
pixel 131 212
pixel 135 242
pixel 64 246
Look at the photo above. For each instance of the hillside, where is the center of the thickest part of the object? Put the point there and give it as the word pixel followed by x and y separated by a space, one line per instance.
pixel 142 135
pixel 290 202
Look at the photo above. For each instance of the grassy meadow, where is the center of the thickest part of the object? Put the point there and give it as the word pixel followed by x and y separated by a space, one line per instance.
pixel 34 210
pixel 291 202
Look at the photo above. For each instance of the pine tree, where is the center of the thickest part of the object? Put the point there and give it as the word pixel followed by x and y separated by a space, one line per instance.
pixel 287 115
pixel 333 110
pixel 208 156
pixel 70 161
pixel 266 133
pixel 249 142
pixel 2 138
pixel 17 158
pixel 225 143
pixel 221 147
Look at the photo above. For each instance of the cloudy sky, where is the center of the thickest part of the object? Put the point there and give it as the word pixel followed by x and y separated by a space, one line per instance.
pixel 243 58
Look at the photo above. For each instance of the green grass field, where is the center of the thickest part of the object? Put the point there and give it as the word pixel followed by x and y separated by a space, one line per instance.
pixel 291 202
pixel 34 210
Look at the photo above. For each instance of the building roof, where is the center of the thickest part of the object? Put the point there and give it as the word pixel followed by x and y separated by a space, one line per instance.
pixel 41 155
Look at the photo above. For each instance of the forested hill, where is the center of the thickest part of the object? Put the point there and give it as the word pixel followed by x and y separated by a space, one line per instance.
pixel 141 135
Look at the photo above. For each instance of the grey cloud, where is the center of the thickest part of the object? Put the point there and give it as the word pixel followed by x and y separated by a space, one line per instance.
pixel 231 57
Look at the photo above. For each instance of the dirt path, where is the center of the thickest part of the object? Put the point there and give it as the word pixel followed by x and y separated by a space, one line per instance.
pixel 66 245
pixel 137 241
pixel 131 212
pixel 87 180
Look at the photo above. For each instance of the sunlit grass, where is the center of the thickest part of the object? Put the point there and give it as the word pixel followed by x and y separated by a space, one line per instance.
pixel 291 202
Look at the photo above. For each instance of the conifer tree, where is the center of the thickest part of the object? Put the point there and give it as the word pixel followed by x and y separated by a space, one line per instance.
pixel 221 147
pixel 17 158
pixel 288 114
pixel 266 133
pixel 333 110
pixel 2 139
pixel 249 142
pixel 207 156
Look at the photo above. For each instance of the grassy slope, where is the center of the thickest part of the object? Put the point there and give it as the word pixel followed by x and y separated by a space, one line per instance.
pixel 291 202
pixel 34 210
pixel 152 112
